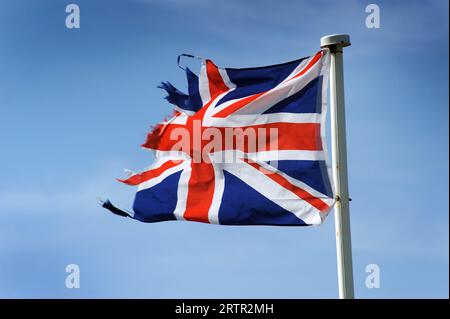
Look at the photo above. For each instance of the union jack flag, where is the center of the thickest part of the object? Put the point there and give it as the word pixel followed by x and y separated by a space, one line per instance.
pixel 244 147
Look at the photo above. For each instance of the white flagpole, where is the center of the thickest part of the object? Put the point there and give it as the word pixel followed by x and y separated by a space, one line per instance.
pixel 336 43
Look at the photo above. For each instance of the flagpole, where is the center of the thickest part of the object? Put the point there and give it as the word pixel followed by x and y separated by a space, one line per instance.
pixel 335 43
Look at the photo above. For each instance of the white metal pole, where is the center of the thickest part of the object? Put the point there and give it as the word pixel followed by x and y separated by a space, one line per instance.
pixel 335 43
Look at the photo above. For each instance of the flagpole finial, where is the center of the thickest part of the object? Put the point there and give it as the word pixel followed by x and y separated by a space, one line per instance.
pixel 335 41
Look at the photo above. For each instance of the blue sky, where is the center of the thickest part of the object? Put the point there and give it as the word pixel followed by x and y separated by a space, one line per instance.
pixel 76 104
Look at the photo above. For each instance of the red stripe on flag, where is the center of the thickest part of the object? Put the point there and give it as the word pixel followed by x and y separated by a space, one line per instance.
pixel 216 83
pixel 200 192
pixel 310 64
pixel 291 136
pixel 279 179
pixel 238 105
pixel 147 175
